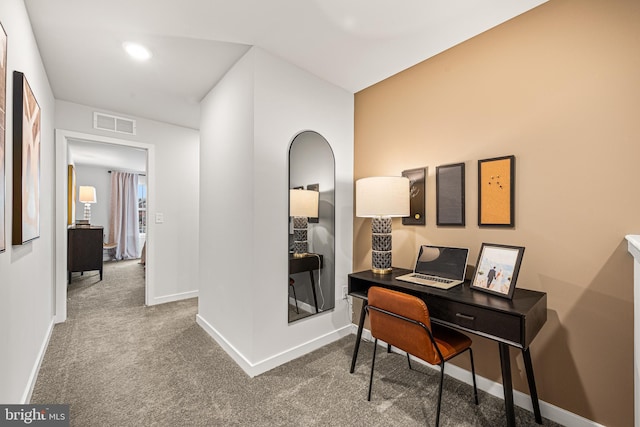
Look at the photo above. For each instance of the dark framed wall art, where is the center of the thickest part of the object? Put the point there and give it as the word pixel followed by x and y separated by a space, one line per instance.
pixel 26 162
pixel 3 133
pixel 314 187
pixel 496 191
pixel 450 203
pixel 417 187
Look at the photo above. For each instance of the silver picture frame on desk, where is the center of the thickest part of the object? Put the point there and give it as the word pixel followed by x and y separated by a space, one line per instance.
pixel 497 269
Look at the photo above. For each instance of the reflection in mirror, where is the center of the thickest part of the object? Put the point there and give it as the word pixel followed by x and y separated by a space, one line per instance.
pixel 311 284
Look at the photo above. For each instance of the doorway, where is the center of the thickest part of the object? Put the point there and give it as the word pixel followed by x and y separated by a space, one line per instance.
pixel 64 139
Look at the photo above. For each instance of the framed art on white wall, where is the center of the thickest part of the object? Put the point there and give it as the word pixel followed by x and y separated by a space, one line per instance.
pixel 26 162
pixel 3 119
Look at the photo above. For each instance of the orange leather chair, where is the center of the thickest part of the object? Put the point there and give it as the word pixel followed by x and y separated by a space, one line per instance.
pixel 402 321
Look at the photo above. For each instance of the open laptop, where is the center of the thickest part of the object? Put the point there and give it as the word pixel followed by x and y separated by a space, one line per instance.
pixel 438 266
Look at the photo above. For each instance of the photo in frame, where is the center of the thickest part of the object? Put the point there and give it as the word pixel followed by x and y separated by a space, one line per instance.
pixel 26 162
pixel 417 194
pixel 496 191
pixel 497 269
pixel 3 134
pixel 450 203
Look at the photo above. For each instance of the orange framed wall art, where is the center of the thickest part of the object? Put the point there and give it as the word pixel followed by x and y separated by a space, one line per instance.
pixel 496 191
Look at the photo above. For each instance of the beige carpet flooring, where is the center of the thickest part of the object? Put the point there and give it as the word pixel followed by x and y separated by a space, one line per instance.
pixel 118 363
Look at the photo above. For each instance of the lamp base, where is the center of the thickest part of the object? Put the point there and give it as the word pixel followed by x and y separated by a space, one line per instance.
pixel 87 212
pixel 381 245
pixel 300 243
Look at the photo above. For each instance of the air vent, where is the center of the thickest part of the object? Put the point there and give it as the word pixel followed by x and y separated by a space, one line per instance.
pixel 114 123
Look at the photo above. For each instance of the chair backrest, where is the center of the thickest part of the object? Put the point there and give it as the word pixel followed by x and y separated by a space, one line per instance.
pixel 401 333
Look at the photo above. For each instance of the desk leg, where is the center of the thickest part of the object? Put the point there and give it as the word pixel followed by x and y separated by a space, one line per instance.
pixel 313 288
pixel 532 384
pixel 505 363
pixel 363 312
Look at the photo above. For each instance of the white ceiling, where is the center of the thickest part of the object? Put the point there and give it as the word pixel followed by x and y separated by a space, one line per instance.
pixel 350 43
pixel 112 156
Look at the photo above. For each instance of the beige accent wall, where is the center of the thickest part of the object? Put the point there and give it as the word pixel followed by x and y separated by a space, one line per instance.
pixel 559 88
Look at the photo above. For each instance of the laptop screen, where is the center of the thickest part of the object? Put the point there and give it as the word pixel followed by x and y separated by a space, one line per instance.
pixel 450 263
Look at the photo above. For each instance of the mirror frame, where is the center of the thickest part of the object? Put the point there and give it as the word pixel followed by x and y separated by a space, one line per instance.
pixel 326 297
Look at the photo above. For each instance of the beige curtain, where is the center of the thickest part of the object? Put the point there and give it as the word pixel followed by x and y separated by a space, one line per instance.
pixel 123 216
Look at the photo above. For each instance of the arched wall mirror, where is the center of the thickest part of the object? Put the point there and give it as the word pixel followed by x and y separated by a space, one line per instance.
pixel 311 281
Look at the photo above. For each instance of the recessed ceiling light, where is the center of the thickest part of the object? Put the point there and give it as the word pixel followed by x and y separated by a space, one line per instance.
pixel 137 51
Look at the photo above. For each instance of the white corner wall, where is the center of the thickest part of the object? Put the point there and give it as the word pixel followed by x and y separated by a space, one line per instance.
pixel 172 262
pixel 26 271
pixel 226 276
pixel 247 123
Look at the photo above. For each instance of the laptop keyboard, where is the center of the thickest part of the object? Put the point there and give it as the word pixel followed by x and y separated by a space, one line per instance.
pixel 435 279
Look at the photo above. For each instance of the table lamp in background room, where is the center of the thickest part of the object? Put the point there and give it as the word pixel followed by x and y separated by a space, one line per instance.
pixel 302 205
pixel 87 195
pixel 382 198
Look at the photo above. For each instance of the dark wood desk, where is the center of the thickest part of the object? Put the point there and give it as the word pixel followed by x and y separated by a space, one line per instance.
pixel 513 322
pixel 309 262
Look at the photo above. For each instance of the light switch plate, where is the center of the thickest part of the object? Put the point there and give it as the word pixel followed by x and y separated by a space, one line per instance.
pixel 159 217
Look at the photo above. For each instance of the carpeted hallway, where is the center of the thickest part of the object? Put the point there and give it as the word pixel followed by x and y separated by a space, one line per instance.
pixel 118 363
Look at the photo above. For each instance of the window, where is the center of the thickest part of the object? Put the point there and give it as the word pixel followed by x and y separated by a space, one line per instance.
pixel 142 207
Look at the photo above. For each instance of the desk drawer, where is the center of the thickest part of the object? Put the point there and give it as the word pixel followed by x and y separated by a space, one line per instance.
pixel 502 326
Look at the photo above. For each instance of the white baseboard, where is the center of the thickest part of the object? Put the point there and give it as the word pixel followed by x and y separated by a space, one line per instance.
pixel 302 305
pixel 31 383
pixel 254 369
pixel 174 297
pixel 523 400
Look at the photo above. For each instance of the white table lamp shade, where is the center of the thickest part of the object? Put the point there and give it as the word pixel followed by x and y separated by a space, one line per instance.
pixel 303 203
pixel 382 196
pixel 87 194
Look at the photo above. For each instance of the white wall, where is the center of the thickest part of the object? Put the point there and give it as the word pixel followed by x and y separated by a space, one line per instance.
pixel 226 274
pixel 26 271
pixel 98 177
pixel 247 123
pixel 173 263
